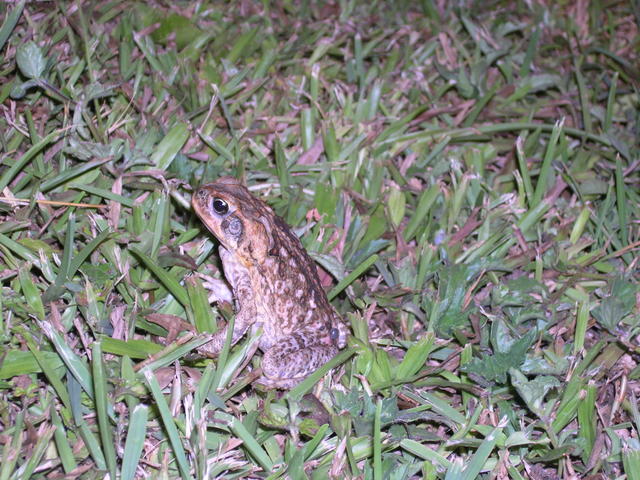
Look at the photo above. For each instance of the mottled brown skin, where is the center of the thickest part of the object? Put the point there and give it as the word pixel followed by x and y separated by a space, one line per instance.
pixel 275 285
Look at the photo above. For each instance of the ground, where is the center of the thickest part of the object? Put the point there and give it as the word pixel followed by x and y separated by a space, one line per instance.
pixel 465 175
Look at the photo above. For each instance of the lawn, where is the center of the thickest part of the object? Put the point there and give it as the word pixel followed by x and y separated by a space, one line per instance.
pixel 466 175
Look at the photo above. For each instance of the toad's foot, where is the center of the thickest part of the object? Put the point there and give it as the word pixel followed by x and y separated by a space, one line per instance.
pixel 285 367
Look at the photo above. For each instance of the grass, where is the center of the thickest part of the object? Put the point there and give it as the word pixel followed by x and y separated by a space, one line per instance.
pixel 465 175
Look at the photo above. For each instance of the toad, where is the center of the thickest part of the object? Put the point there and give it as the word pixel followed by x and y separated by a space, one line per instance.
pixel 275 285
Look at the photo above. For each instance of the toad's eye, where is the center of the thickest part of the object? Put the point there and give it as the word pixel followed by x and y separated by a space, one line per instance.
pixel 334 333
pixel 220 206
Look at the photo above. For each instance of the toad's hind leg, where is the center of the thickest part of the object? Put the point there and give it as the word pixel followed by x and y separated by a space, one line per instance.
pixel 286 364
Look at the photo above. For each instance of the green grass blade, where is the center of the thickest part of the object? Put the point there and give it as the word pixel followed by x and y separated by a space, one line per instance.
pixel 587 420
pixel 346 281
pixel 611 99
pixel 204 321
pixel 48 368
pixel 169 282
pixel 170 145
pixel 249 440
pixel 10 452
pixel 415 357
pixel 169 423
pixel 20 164
pixel 546 167
pixel 10 22
pixel 75 365
pixel 27 469
pixel 424 452
pixel 92 443
pixel 377 443
pixel 173 353
pixel 631 463
pixel 241 44
pixel 19 250
pixel 87 250
pixel 130 348
pixel 71 173
pixel 134 443
pixel 101 192
pixel 583 92
pixel 62 442
pixel 621 202
pixel 30 292
pixel 67 254
pixel 159 220
pixel 474 466
pixel 102 401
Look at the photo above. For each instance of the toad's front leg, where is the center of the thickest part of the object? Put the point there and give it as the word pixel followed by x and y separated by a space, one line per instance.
pixel 246 315
pixel 292 359
pixel 214 347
